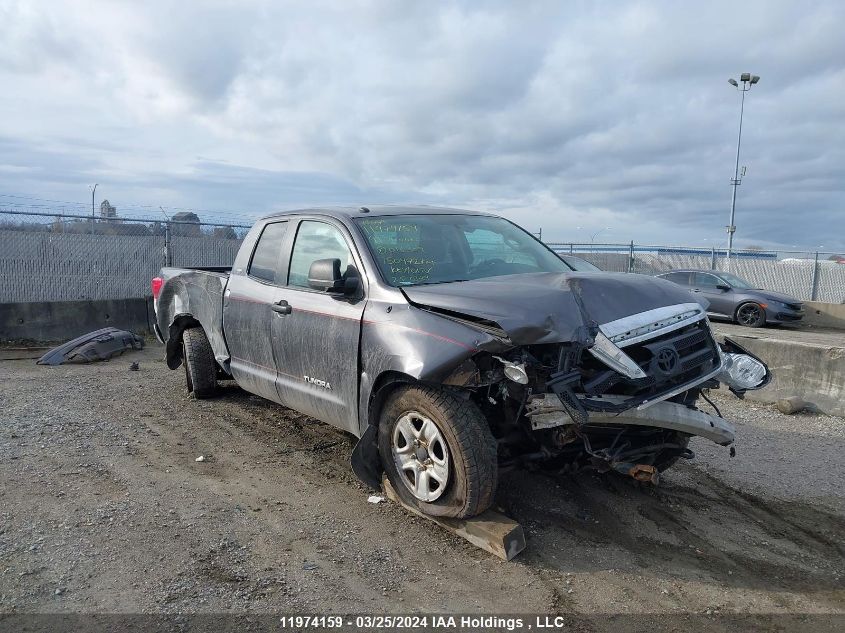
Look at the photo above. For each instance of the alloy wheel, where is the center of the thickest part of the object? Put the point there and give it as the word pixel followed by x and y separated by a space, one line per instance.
pixel 749 314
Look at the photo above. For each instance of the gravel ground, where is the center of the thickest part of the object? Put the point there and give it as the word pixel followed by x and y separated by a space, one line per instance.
pixel 105 509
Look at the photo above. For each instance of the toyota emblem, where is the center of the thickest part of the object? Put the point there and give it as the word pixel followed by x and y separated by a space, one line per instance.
pixel 667 360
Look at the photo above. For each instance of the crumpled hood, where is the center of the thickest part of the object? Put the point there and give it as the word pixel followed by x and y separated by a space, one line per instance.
pixel 550 307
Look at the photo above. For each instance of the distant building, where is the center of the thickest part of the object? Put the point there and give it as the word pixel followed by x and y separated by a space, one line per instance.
pixel 186 223
pixel 225 233
pixel 107 211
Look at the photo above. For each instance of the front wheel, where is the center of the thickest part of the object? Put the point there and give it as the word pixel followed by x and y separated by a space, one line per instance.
pixel 751 315
pixel 438 452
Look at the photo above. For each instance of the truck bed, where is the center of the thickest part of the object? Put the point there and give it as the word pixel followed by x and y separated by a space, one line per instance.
pixel 207 269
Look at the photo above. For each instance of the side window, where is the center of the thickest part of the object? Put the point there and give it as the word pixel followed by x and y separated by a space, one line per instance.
pixel 678 278
pixel 265 257
pixel 316 240
pixel 703 280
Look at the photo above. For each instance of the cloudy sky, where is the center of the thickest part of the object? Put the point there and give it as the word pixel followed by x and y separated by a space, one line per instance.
pixel 571 116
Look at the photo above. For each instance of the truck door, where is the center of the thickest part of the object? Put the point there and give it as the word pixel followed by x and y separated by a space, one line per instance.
pixel 316 341
pixel 248 314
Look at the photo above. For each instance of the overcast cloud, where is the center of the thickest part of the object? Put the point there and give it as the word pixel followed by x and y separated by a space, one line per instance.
pixel 560 115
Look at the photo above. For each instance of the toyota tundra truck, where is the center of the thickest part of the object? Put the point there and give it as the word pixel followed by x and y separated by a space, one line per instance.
pixel 455 346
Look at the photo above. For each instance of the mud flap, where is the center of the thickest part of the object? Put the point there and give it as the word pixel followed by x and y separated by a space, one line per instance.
pixel 366 463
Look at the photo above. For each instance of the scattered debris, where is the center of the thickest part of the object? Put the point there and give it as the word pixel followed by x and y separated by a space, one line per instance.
pixel 134 366
pixel 201 458
pixel 98 345
pixel 375 498
pixel 309 566
pixel 791 405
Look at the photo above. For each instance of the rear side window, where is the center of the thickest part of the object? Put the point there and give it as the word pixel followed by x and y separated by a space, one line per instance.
pixel 678 278
pixel 265 258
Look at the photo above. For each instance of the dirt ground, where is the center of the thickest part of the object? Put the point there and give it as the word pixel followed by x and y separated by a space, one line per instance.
pixel 105 509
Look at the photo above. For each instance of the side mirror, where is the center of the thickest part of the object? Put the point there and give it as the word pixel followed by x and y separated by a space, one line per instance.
pixel 723 287
pixel 325 275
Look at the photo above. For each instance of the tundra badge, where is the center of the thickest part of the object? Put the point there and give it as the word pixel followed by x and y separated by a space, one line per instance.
pixel 318 382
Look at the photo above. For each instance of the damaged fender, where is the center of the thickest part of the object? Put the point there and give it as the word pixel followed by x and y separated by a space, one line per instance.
pixel 187 300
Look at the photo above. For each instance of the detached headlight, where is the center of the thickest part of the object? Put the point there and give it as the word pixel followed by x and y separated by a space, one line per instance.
pixel 514 371
pixel 742 372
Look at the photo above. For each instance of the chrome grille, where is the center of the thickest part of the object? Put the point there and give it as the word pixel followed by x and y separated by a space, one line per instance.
pixel 675 359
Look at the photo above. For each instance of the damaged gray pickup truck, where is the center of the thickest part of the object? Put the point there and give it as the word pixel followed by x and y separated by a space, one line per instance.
pixel 455 346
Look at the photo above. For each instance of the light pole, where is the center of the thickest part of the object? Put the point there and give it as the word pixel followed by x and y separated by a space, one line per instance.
pixel 596 234
pixel 747 80
pixel 167 257
pixel 93 191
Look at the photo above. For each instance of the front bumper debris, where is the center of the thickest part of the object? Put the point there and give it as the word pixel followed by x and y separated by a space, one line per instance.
pixel 97 345
pixel 545 411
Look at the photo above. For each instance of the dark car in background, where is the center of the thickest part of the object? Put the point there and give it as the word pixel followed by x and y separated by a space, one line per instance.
pixel 734 298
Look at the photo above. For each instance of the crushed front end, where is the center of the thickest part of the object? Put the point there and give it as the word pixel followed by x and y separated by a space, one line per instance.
pixel 623 398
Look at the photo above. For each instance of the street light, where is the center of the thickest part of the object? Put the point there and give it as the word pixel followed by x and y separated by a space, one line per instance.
pixel 93 191
pixel 167 258
pixel 747 80
pixel 595 235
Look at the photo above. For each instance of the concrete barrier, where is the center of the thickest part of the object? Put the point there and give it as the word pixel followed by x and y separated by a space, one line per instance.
pixel 814 371
pixel 824 315
pixel 60 321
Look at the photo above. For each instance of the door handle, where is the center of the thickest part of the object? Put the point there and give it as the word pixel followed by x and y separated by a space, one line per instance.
pixel 282 307
pixel 696 290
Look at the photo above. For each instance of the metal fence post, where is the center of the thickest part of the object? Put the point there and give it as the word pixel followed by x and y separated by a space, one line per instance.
pixel 570 248
pixel 712 258
pixel 815 283
pixel 167 257
pixel 631 258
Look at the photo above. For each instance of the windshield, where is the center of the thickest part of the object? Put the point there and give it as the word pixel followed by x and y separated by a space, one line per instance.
pixel 429 249
pixel 735 281
pixel 580 265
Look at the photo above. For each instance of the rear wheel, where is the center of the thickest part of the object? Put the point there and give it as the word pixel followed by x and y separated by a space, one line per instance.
pixel 200 365
pixel 438 452
pixel 751 315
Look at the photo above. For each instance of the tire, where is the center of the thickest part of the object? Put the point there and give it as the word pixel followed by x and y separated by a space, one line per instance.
pixel 750 314
pixel 200 365
pixel 468 457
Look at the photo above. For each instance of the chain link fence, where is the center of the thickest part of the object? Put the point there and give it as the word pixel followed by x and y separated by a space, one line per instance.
pixel 805 275
pixel 48 257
